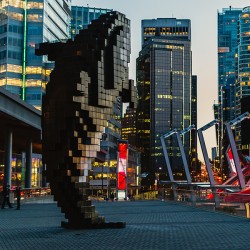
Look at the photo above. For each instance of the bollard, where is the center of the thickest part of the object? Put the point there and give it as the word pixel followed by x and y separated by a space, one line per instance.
pixel 247 205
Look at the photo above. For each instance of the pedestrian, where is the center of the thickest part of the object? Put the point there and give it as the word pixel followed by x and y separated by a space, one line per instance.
pixel 18 197
pixel 6 196
pixel 112 196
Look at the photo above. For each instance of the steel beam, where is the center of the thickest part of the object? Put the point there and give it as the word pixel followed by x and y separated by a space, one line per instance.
pixel 233 146
pixel 165 152
pixel 171 177
pixel 184 159
pixel 207 162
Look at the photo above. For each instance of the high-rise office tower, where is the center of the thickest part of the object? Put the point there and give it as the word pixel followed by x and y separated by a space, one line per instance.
pixel 233 68
pixel 129 126
pixel 243 66
pixel 164 75
pixel 82 17
pixel 23 24
pixel 227 46
pixel 243 58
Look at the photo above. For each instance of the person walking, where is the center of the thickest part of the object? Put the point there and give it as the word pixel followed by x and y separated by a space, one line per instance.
pixel 112 196
pixel 6 196
pixel 18 197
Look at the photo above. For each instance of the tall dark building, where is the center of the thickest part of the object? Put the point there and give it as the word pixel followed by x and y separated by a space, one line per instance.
pixel 164 75
pixel 227 44
pixel 233 69
pixel 227 50
pixel 243 67
pixel 129 126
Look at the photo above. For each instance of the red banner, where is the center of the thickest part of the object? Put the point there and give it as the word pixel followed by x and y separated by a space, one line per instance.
pixel 231 161
pixel 122 166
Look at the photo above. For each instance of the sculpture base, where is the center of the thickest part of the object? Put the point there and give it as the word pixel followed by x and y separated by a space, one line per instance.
pixel 103 225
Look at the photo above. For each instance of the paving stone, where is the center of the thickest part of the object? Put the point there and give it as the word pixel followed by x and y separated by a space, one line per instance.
pixel 149 225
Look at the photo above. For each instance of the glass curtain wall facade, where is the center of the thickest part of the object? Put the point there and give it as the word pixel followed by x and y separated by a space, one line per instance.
pixel 24 24
pixel 164 88
pixel 18 170
pixel 227 75
pixel 82 17
pixel 243 66
pixel 129 126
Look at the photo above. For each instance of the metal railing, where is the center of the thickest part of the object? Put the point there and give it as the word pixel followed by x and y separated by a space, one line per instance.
pixel 233 203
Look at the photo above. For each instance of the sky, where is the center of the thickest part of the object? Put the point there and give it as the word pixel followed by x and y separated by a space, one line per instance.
pixel 203 16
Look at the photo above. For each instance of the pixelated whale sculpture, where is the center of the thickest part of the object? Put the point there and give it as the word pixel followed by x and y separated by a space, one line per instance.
pixel 90 72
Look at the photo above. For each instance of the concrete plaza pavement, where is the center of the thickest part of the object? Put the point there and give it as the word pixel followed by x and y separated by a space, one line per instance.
pixel 150 225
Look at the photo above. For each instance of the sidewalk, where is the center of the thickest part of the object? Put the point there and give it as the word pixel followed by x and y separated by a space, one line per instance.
pixel 150 225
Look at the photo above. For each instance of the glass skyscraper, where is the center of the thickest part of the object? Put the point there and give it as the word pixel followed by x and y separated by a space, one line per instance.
pixel 23 24
pixel 227 45
pixel 233 69
pixel 82 17
pixel 243 62
pixel 164 77
pixel 243 66
pixel 227 75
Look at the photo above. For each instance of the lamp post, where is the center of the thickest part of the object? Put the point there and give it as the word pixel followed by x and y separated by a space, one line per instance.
pixel 102 179
pixel 108 160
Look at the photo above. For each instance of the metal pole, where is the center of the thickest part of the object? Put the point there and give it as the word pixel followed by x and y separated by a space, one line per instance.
pixel 208 167
pixel 184 159
pixel 102 179
pixel 206 158
pixel 44 176
pixel 8 157
pixel 165 152
pixel 171 177
pixel 108 162
pixel 28 164
pixel 235 156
